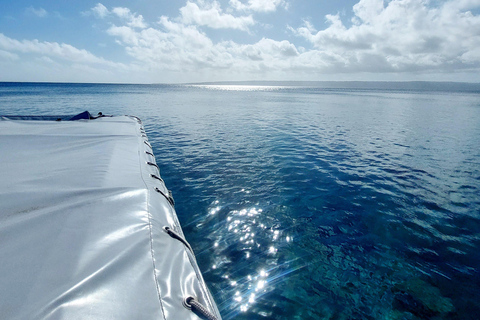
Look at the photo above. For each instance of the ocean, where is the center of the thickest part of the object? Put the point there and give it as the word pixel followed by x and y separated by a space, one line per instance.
pixel 312 200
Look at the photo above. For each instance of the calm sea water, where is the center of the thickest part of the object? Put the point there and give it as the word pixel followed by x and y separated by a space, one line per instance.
pixel 310 202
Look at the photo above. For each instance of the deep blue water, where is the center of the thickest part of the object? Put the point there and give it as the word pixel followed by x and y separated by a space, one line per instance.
pixel 310 202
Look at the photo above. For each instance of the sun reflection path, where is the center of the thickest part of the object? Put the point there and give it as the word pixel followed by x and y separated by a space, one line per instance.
pixel 246 253
pixel 239 87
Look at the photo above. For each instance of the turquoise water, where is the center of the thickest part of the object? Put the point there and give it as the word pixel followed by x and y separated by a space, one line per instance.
pixel 312 202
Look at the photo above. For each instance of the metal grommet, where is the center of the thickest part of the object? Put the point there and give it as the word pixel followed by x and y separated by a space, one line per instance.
pixel 186 302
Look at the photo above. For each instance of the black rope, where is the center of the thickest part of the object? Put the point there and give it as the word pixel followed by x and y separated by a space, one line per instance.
pixel 175 235
pixel 169 199
pixel 156 177
pixel 153 164
pixel 136 118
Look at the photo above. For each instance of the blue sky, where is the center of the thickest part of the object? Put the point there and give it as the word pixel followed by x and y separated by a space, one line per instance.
pixel 158 41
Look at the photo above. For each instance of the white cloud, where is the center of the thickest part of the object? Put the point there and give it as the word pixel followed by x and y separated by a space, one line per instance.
pixel 34 60
pixel 178 47
pixel 368 11
pixel 127 35
pixel 100 11
pixel 398 36
pixel 55 50
pixel 133 19
pixel 403 35
pixel 258 5
pixel 5 55
pixel 182 47
pixel 276 49
pixel 409 37
pixel 212 16
pixel 40 12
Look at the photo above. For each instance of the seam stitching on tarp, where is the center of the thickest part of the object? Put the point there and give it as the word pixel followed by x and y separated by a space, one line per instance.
pixel 187 248
pixel 150 226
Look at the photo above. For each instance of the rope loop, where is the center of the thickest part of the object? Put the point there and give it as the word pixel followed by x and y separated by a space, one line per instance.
pixel 198 308
pixel 175 235
pixel 157 177
pixel 169 198
pixel 153 164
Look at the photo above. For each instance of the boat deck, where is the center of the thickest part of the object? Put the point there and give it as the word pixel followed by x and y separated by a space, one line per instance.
pixel 87 226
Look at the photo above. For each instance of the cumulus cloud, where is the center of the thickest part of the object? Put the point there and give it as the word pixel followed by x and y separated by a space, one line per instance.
pixel 176 47
pixel 383 37
pixel 180 44
pixel 5 55
pixel 403 35
pixel 40 12
pixel 100 11
pixel 55 50
pixel 133 19
pixel 258 5
pixel 182 47
pixel 35 60
pixel 211 15
pixel 278 49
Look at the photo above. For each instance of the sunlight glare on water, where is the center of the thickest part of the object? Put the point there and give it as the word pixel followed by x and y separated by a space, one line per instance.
pixel 232 87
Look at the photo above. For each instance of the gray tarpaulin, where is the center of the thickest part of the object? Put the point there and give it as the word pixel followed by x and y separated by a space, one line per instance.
pixel 82 225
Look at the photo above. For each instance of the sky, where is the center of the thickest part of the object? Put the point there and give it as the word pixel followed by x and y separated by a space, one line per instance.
pixel 165 41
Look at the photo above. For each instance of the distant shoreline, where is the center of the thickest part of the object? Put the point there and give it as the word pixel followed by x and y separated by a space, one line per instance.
pixel 358 85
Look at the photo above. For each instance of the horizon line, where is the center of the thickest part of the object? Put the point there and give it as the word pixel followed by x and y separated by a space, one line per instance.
pixel 249 82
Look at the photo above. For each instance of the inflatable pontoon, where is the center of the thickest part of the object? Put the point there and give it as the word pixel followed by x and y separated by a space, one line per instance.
pixel 88 229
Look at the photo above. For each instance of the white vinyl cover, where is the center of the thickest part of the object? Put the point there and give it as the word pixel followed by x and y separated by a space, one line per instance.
pixel 82 226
